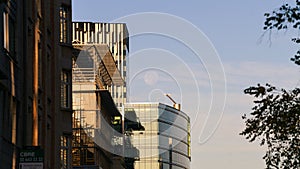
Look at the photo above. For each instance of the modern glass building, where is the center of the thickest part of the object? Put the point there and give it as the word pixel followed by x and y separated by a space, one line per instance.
pixel 165 141
pixel 116 36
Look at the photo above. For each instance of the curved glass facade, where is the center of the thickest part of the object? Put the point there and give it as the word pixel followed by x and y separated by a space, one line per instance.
pixel 165 141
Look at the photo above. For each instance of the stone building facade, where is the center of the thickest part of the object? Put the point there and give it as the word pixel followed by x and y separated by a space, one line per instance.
pixel 35 81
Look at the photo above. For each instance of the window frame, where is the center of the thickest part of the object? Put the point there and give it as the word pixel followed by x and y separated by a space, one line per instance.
pixel 65 152
pixel 65 89
pixel 64 24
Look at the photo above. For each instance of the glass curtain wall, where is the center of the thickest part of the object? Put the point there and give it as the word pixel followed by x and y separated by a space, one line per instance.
pixel 165 140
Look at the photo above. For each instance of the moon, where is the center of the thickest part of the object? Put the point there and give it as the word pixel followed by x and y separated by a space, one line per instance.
pixel 151 78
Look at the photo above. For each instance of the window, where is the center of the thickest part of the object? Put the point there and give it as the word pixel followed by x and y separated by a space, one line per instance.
pixel 8 33
pixel 64 152
pixel 65 89
pixel 5 31
pixel 64 16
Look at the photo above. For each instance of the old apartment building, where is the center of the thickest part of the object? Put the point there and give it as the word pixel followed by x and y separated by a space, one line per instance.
pixel 35 81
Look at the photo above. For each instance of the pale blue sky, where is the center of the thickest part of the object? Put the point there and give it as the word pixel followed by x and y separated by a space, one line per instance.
pixel 234 28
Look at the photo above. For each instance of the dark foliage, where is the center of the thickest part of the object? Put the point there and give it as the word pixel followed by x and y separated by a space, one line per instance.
pixel 285 17
pixel 275 117
pixel 275 122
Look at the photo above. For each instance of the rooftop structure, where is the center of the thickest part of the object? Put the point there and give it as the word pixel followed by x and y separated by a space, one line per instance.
pixel 115 36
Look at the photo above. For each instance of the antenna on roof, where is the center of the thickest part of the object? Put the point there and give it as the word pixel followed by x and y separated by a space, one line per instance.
pixel 175 105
